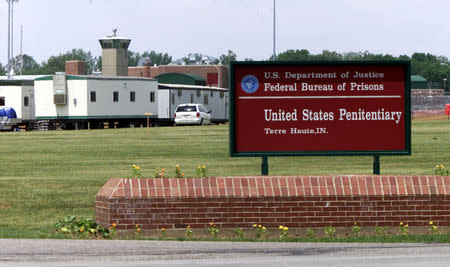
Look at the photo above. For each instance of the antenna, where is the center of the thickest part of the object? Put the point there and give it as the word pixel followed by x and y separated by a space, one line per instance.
pixel 21 54
pixel 114 32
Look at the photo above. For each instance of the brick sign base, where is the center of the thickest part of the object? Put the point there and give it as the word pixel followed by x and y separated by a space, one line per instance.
pixel 306 201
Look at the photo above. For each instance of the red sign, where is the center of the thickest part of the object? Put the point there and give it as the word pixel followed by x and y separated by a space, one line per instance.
pixel 324 108
pixel 212 78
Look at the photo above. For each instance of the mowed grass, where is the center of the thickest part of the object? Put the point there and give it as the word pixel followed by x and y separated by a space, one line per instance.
pixel 45 176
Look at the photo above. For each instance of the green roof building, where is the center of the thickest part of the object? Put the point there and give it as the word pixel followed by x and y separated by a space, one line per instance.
pixel 180 78
pixel 418 82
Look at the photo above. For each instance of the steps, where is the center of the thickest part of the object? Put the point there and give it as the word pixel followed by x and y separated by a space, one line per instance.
pixel 41 125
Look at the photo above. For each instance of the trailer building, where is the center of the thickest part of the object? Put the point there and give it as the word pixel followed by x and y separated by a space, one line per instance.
pixel 18 93
pixel 214 99
pixel 76 99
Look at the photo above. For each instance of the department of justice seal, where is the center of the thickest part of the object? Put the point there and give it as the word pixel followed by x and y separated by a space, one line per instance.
pixel 249 84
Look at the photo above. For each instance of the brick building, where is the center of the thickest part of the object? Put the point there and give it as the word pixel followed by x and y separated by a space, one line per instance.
pixel 215 75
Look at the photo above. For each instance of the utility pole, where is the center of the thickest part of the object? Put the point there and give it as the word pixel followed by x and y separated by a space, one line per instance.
pixel 9 35
pixel 12 32
pixel 274 54
pixel 10 63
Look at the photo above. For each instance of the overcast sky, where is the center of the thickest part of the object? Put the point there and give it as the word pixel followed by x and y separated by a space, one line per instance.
pixel 211 27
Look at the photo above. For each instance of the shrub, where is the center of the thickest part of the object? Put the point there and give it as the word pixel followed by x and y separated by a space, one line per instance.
pixel 330 231
pixel 433 229
pixel 136 171
pixel 261 231
pixel 356 229
pixel 284 233
pixel 178 173
pixel 310 233
pixel 188 233
pixel 440 170
pixel 213 230
pixel 403 229
pixel 380 231
pixel 83 228
pixel 239 233
pixel 201 171
pixel 160 173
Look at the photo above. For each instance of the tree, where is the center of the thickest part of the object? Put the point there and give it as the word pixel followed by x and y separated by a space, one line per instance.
pixel 226 59
pixel 328 55
pixel 98 63
pixel 30 66
pixel 133 58
pixel 58 63
pixel 192 56
pixel 424 64
pixel 2 70
pixel 158 58
pixel 294 55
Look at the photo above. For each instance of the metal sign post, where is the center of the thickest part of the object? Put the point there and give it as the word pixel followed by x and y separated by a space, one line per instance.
pixel 264 166
pixel 376 165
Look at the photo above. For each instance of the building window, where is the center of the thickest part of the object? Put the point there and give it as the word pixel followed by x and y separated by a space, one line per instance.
pixel 2 100
pixel 25 101
pixel 152 96
pixel 192 98
pixel 116 96
pixel 205 99
pixel 93 96
pixel 180 93
pixel 132 96
pixel 198 93
pixel 221 94
pixel 212 93
pixel 173 99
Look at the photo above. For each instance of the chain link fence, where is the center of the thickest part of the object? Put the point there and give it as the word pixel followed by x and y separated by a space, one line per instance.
pixel 426 102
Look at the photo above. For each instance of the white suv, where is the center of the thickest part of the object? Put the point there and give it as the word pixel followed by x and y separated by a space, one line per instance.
pixel 192 114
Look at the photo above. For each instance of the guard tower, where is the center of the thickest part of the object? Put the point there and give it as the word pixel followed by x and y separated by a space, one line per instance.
pixel 114 55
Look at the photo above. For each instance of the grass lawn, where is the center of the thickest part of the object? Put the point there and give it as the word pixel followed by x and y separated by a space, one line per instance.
pixel 45 176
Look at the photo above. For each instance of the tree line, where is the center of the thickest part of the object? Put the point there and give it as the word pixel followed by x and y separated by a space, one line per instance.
pixel 431 67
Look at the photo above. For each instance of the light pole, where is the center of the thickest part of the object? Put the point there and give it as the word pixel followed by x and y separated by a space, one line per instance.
pixel 274 54
pixel 10 36
pixel 445 79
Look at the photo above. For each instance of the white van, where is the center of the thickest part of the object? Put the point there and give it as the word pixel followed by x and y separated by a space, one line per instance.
pixel 192 114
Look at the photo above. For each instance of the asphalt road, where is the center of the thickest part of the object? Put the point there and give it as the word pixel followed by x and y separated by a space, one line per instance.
pixel 26 252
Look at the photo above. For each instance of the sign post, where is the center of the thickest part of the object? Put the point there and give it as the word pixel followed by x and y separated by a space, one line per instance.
pixel 320 109
pixel 148 114
pixel 376 165
pixel 264 166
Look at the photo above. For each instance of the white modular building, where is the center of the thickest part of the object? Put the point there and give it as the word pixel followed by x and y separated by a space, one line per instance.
pixel 214 99
pixel 78 98
pixel 17 92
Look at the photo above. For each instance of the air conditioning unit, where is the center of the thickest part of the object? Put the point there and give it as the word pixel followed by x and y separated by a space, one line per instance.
pixel 59 89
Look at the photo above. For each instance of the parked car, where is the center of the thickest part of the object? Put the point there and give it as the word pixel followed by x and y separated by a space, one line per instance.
pixel 192 114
